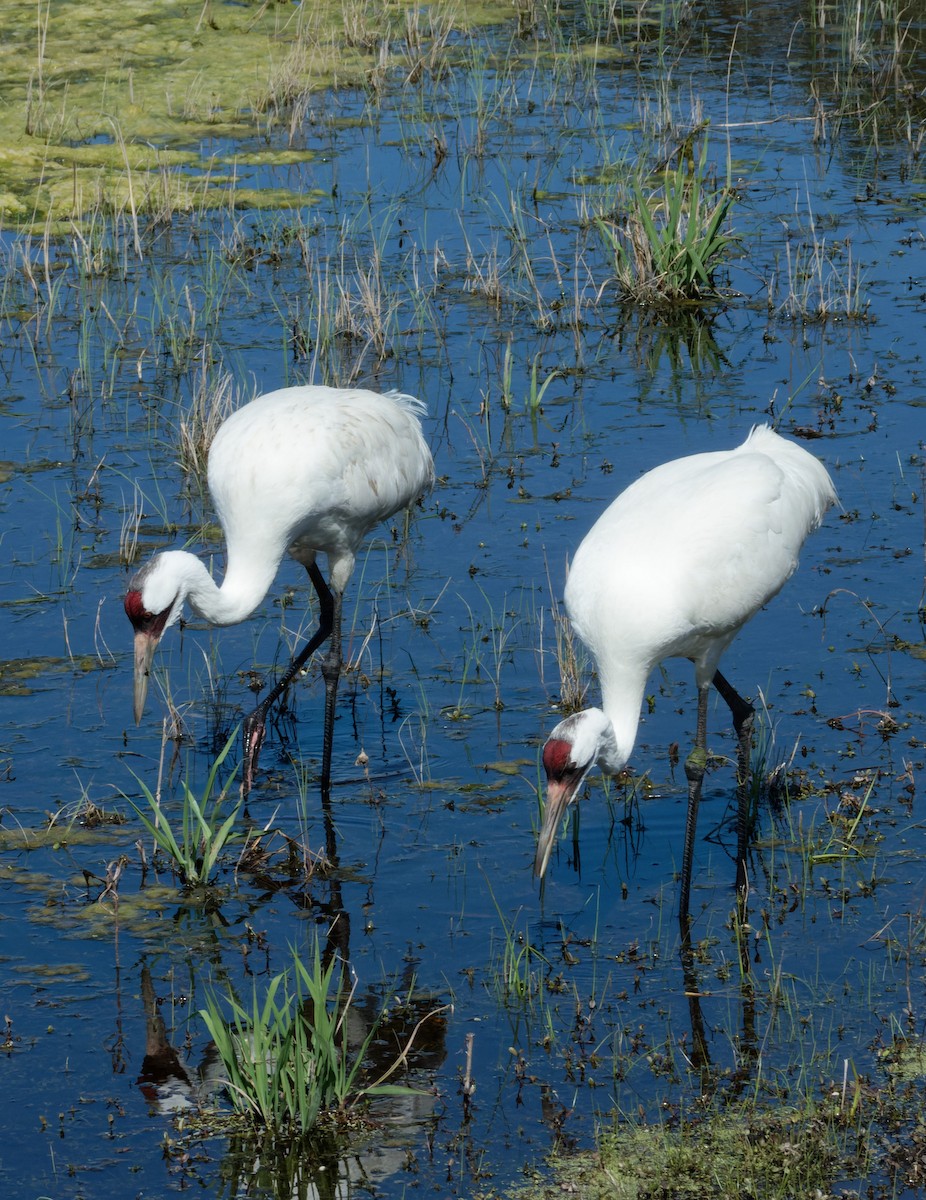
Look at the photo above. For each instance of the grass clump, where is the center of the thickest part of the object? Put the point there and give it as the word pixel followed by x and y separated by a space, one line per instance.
pixel 519 966
pixel 196 845
pixel 214 400
pixel 821 281
pixel 673 239
pixel 288 1057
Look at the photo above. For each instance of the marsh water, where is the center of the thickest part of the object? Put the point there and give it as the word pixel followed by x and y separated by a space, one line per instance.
pixel 445 245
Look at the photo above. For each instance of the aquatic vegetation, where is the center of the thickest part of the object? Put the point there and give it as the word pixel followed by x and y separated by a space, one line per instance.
pixel 738 1150
pixel 570 656
pixel 213 401
pixel 821 281
pixel 206 830
pixel 845 836
pixel 521 966
pixel 107 105
pixel 674 238
pixel 293 1055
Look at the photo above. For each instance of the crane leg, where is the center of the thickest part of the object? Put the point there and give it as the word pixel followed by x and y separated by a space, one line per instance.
pixel 254 725
pixel 331 673
pixel 695 765
pixel 742 712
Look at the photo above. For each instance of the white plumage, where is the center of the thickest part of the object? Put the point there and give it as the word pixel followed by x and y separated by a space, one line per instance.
pixel 300 470
pixel 676 566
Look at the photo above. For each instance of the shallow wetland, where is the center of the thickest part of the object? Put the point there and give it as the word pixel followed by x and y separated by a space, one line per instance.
pixel 228 198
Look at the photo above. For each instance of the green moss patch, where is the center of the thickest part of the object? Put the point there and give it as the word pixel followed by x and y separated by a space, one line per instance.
pixel 120 108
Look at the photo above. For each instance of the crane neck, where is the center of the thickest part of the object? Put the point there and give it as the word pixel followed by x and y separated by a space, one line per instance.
pixel 622 696
pixel 246 583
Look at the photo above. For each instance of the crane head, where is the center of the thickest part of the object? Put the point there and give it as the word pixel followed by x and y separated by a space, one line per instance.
pixel 148 628
pixel 568 756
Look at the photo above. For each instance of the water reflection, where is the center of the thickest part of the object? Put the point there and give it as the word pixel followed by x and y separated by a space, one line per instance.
pixel 680 345
pixel 167 1080
pixel 746 1045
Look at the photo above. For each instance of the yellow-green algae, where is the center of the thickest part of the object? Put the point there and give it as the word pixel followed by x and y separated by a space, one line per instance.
pixel 905 1060
pixel 45 974
pixel 88 909
pixel 19 676
pixel 66 835
pixel 104 106
pixel 155 916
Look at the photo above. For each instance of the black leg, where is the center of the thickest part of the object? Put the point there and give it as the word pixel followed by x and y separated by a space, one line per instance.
pixel 695 765
pixel 743 713
pixel 254 724
pixel 331 673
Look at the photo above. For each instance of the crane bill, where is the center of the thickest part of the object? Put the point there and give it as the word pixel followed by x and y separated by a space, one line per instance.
pixel 145 644
pixel 559 796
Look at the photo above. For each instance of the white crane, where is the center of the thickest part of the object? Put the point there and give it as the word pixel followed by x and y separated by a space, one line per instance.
pixel 675 567
pixel 298 470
